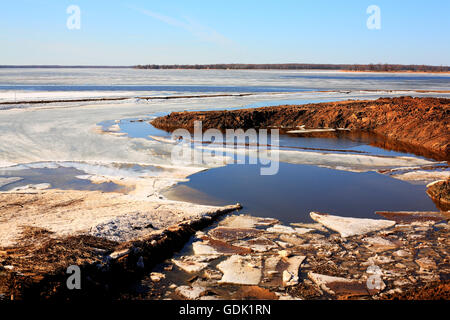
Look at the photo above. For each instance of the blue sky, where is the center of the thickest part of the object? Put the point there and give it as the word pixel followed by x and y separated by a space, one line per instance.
pixel 245 31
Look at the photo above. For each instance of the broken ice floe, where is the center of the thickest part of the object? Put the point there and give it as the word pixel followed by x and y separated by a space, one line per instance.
pixel 342 286
pixel 30 188
pixel 190 265
pixel 288 230
pixel 238 259
pixel 6 181
pixel 422 175
pixel 241 270
pixel 338 161
pixel 348 227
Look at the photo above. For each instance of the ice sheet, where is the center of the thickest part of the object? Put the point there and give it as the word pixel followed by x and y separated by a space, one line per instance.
pixel 323 80
pixel 338 161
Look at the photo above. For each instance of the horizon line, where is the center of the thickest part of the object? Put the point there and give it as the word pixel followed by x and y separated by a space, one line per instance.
pixel 187 65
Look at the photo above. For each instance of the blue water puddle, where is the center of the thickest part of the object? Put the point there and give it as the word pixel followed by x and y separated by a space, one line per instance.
pixel 296 190
pixel 135 128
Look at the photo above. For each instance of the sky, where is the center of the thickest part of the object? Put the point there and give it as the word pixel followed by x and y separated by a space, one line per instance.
pixel 215 31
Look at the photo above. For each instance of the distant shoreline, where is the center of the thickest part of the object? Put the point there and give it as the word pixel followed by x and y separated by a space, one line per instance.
pixel 405 71
pixel 61 67
pixel 309 66
pixel 372 68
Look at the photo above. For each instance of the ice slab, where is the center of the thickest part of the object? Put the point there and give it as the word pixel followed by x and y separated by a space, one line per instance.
pixel 6 181
pixel 245 270
pixel 348 227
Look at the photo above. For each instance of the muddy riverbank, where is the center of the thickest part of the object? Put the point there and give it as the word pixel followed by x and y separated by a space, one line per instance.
pixel 421 122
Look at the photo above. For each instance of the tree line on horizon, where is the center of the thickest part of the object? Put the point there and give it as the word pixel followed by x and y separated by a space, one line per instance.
pixel 241 66
pixel 303 66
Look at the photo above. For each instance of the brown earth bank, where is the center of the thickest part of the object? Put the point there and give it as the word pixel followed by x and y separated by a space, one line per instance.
pixel 37 268
pixel 35 252
pixel 420 122
pixel 439 191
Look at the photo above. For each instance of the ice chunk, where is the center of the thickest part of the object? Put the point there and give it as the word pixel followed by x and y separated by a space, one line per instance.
pixel 348 227
pixel 244 270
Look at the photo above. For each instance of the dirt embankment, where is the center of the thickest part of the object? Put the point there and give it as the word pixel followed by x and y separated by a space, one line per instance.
pixel 42 233
pixel 35 268
pixel 439 191
pixel 421 122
